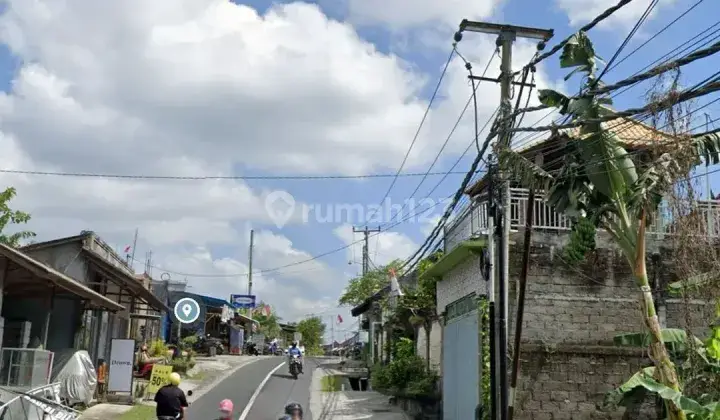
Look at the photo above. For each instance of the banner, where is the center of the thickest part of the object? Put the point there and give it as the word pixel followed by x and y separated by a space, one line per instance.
pixel 122 357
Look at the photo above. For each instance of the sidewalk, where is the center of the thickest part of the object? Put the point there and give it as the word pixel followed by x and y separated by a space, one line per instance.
pixel 209 372
pixel 349 405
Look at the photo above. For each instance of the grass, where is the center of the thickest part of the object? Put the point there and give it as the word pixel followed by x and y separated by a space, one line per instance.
pixel 331 383
pixel 199 376
pixel 139 412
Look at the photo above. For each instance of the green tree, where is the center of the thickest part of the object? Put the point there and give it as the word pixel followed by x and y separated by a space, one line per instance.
pixel 617 192
pixel 9 217
pixel 422 301
pixel 267 325
pixel 361 288
pixel 312 330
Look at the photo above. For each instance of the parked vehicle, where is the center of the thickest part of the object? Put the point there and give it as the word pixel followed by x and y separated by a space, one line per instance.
pixel 251 349
pixel 204 344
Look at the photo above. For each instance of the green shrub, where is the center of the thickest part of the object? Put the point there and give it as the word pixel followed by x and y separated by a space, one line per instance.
pixel 182 365
pixel 404 376
pixel 157 348
pixel 188 342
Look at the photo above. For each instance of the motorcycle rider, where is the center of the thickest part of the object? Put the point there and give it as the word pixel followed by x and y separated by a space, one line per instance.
pixel 294 350
pixel 293 411
pixel 170 400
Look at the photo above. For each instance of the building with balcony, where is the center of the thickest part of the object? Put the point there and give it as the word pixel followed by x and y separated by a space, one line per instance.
pixel 572 313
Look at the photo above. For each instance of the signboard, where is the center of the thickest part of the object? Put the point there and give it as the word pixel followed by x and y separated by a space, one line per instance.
pixel 259 340
pixel 242 301
pixel 160 377
pixel 122 355
pixel 187 310
pixel 297 337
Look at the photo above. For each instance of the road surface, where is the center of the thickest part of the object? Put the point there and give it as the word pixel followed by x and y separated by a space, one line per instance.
pixel 269 403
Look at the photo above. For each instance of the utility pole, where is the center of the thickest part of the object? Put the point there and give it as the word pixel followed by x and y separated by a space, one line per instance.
pixel 490 277
pixel 250 258
pixel 506 36
pixel 366 252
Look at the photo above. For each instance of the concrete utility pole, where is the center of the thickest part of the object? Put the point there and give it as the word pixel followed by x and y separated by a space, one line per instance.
pixel 365 252
pixel 506 36
pixel 250 258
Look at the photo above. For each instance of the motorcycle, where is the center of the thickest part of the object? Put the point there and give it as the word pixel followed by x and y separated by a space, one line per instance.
pixel 295 366
pixel 204 344
pixel 251 349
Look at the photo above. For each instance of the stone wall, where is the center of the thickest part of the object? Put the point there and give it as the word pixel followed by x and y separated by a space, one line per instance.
pixel 570 381
pixel 571 315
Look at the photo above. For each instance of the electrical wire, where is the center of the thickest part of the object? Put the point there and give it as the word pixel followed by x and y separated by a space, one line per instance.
pixel 417 132
pixel 217 178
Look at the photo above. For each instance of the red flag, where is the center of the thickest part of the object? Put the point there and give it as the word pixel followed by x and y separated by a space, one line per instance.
pixel 339 319
pixel 127 249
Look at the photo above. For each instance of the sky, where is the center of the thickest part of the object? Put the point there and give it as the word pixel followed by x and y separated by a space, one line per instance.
pixel 210 88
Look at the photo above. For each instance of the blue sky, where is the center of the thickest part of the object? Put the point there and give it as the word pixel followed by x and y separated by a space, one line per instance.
pixel 208 89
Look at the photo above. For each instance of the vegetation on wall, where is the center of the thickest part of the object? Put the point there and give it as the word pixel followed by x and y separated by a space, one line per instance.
pixel 484 309
pixel 10 217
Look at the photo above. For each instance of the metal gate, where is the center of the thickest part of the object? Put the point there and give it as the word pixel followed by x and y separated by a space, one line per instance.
pixel 460 360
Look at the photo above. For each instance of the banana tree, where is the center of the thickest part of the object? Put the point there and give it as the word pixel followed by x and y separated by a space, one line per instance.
pixel 618 193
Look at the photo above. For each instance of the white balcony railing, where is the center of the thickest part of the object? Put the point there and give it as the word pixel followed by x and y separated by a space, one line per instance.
pixel 472 220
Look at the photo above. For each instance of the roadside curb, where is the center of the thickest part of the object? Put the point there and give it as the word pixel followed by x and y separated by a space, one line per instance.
pixel 204 388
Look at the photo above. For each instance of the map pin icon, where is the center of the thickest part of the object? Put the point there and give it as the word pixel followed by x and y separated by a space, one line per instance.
pixel 187 309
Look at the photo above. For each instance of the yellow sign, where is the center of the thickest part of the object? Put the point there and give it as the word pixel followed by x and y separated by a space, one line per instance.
pixel 160 377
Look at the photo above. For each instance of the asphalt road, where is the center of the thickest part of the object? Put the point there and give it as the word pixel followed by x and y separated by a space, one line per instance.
pixel 240 386
pixel 281 389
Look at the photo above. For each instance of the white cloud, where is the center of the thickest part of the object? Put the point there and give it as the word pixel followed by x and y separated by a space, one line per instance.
pixel 580 12
pixel 189 88
pixel 403 14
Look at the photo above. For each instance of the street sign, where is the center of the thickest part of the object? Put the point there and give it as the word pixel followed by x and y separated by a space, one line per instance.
pixel 187 310
pixel 242 301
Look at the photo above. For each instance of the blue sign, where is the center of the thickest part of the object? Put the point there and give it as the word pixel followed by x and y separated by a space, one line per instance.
pixel 242 301
pixel 187 310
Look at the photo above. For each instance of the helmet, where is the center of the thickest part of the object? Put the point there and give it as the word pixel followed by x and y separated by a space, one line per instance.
pixel 293 408
pixel 226 406
pixel 294 343
pixel 174 379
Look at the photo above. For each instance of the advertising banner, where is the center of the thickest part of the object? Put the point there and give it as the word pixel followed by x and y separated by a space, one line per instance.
pixel 122 355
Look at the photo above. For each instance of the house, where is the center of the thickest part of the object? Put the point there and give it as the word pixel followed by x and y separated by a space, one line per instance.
pixel 98 270
pixel 572 314
pixel 374 321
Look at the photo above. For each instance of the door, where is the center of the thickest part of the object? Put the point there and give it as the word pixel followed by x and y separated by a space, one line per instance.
pixel 461 376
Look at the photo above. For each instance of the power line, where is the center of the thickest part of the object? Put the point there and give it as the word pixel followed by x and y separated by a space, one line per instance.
pixel 218 177
pixel 417 132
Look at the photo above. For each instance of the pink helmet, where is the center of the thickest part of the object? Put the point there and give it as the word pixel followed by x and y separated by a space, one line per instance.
pixel 226 405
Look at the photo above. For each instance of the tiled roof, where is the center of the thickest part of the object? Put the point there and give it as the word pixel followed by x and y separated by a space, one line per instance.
pixel 632 134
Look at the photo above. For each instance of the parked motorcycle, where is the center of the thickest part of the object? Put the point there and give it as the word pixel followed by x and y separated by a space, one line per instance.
pixel 204 344
pixel 295 366
pixel 251 349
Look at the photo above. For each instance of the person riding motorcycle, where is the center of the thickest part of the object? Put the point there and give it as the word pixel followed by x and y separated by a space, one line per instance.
pixel 295 351
pixel 170 400
pixel 226 410
pixel 293 411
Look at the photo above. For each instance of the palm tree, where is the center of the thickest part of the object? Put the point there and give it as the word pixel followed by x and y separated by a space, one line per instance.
pixel 616 191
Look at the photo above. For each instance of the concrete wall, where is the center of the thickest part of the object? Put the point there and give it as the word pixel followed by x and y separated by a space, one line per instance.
pixel 435 345
pixel 64 258
pixel 463 280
